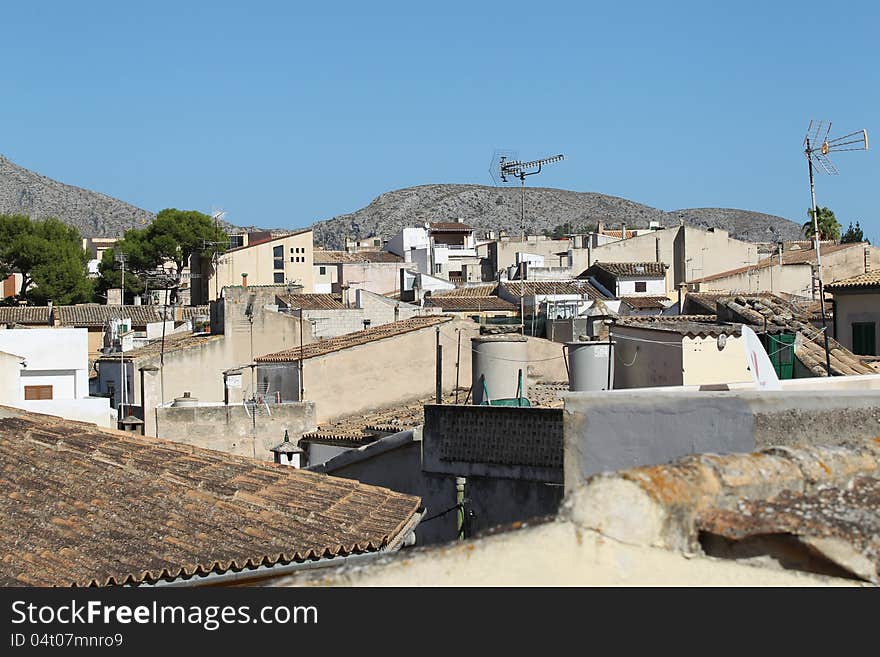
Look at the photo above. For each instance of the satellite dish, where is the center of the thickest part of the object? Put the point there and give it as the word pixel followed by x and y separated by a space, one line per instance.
pixel 759 363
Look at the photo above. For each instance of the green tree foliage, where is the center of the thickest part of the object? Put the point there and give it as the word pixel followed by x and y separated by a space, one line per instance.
pixel 168 244
pixel 49 255
pixel 853 234
pixel 829 228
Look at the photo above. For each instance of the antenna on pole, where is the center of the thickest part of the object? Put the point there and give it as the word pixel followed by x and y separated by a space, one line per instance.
pixel 817 147
pixel 516 168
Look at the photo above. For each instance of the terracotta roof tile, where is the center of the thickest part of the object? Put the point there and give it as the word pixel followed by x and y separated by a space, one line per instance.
pixel 173 342
pixel 449 227
pixel 866 280
pixel 632 268
pixel 647 303
pixel 355 339
pixel 489 290
pixel 571 287
pixel 779 315
pixel 98 315
pixel 24 315
pixel 466 304
pixel 312 301
pixel 84 506
pixel 337 257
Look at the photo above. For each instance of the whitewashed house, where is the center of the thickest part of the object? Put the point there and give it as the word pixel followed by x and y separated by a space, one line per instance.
pixel 52 374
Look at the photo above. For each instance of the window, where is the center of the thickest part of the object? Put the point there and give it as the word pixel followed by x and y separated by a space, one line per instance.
pixel 292 258
pixel 438 269
pixel 292 250
pixel 278 252
pixel 641 286
pixel 864 338
pixel 322 270
pixel 279 276
pixel 377 242
pixel 278 257
pixel 236 241
pixel 37 392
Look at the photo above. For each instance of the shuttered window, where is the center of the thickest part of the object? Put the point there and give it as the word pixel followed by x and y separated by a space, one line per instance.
pixel 37 392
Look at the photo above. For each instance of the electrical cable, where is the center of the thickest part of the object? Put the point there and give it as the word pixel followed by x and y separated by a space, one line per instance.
pixel 443 513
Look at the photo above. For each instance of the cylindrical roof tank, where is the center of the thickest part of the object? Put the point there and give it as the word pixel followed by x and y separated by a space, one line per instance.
pixel 496 360
pixel 590 365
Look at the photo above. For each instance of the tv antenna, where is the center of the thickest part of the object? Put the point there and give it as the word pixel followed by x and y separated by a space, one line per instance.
pixel 817 147
pixel 516 168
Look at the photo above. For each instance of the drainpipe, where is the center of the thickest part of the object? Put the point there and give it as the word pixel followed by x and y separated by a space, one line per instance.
pixel 460 483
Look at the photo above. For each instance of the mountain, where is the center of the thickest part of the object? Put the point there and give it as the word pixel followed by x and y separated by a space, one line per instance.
pixel 95 215
pixel 498 208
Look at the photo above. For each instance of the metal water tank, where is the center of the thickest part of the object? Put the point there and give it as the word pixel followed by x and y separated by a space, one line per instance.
pixel 496 362
pixel 590 365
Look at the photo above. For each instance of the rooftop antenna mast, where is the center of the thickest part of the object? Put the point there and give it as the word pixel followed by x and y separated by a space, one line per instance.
pixel 217 216
pixel 817 147
pixel 516 168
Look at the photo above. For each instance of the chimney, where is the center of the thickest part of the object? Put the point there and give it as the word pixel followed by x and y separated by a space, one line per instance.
pixel 781 248
pixel 623 231
pixel 244 280
pixel 52 318
pixel 600 227
pixel 656 249
pixel 867 259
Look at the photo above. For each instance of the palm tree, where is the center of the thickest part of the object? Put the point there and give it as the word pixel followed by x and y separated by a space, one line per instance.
pixel 829 229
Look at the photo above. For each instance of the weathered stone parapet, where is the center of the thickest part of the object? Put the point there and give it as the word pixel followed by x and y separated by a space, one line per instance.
pixel 659 505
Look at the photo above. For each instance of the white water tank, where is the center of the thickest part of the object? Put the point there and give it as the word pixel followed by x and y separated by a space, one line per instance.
pixel 496 363
pixel 590 365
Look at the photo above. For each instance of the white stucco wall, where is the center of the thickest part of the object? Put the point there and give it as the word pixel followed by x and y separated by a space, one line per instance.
pixel 654 286
pixel 10 367
pixel 54 356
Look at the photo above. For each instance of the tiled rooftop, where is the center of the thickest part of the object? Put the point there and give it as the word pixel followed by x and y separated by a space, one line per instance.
pixel 312 301
pixel 449 227
pixel 647 303
pixel 779 315
pixel 84 506
pixel 355 339
pixel 467 304
pixel 488 290
pixel 550 288
pixel 337 257
pixel 632 268
pixel 38 315
pixel 173 342
pixel 688 328
pixel 866 280
pixel 98 315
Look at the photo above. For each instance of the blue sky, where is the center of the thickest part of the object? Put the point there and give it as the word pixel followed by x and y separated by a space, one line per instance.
pixel 283 115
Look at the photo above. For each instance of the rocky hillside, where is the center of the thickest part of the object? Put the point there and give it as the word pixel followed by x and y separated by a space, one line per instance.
pixel 95 215
pixel 494 208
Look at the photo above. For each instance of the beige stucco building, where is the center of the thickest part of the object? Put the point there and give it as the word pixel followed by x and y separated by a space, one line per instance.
pixel 689 252
pixel 272 261
pixel 857 312
pixel 793 271
pixel 677 353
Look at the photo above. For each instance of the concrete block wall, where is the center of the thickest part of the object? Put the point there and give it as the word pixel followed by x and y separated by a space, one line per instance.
pixel 232 428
